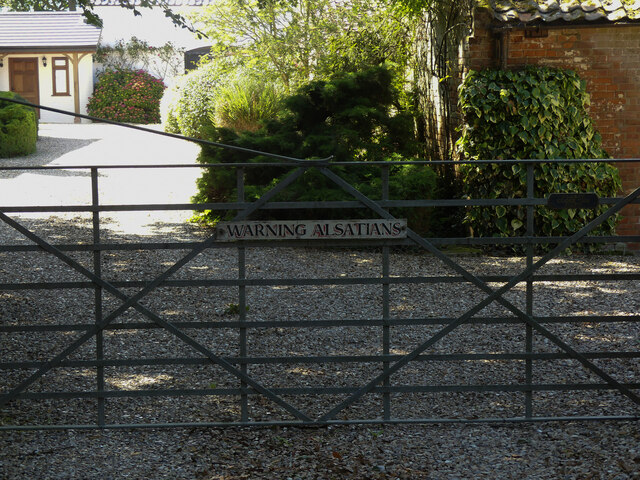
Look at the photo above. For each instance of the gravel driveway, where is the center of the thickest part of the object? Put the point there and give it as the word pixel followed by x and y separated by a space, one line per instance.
pixel 551 450
pixel 101 144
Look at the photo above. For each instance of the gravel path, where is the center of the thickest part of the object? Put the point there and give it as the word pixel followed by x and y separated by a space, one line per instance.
pixel 100 144
pixel 550 450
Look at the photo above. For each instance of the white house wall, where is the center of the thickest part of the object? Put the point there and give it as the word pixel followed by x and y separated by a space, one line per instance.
pixel 45 81
pixel 153 27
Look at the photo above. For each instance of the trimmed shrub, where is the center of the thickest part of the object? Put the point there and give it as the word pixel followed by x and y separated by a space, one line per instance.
pixel 193 108
pixel 131 96
pixel 352 117
pixel 536 113
pixel 18 127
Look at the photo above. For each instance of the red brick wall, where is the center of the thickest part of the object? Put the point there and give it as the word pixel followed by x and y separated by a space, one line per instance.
pixel 608 58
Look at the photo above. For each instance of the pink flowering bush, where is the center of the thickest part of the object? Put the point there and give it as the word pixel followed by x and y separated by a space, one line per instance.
pixel 131 96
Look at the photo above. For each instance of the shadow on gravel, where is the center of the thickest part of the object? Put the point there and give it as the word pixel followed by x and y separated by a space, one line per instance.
pixel 49 150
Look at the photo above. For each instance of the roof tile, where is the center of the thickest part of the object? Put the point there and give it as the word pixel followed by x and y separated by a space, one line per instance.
pixel 527 11
pixel 635 11
pixel 611 5
pixel 569 6
pixel 616 15
pixel 594 15
pixel 548 6
pixel 589 6
pixel 46 30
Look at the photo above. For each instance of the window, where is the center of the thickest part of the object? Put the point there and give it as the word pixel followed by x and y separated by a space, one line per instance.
pixel 60 76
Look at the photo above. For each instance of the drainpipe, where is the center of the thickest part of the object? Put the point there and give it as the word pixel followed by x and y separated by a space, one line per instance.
pixel 502 48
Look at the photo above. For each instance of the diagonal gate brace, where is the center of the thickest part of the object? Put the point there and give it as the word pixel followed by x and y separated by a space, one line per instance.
pixel 496 295
pixel 133 302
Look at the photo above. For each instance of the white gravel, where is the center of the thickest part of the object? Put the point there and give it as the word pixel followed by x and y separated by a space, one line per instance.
pixel 550 450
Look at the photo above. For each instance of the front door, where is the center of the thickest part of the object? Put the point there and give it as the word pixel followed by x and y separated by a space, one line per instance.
pixel 23 78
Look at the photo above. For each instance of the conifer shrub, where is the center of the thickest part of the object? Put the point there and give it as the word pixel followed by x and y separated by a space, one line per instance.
pixel 354 117
pixel 18 127
pixel 130 96
pixel 536 113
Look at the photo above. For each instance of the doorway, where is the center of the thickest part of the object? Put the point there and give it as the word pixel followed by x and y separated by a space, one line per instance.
pixel 23 79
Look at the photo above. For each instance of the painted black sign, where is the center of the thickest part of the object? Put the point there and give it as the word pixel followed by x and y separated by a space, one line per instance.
pixel 563 201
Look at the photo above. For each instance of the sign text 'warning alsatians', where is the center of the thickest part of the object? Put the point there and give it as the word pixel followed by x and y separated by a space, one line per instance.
pixel 312 230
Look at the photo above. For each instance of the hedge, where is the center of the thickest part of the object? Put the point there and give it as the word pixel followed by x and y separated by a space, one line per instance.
pixel 18 127
pixel 131 96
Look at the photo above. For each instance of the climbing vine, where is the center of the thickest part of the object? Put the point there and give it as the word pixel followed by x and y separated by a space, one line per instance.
pixel 537 113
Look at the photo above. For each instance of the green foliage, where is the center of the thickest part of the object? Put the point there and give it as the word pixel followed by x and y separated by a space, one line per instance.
pixel 193 107
pixel 351 117
pixel 418 8
pixel 18 127
pixel 373 34
pixel 234 309
pixel 295 42
pixel 244 102
pixel 531 114
pixel 127 96
pixel 168 111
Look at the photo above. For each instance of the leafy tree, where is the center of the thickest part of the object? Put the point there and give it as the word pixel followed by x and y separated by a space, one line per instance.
pixel 86 6
pixel 300 40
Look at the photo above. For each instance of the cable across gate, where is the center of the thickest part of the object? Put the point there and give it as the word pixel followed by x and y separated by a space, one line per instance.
pixel 228 348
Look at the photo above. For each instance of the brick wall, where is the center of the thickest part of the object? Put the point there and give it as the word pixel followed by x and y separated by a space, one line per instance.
pixel 607 57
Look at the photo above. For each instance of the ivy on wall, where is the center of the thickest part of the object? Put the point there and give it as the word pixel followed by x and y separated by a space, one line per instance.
pixel 536 113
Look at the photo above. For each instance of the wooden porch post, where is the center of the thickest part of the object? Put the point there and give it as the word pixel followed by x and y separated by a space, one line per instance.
pixel 75 61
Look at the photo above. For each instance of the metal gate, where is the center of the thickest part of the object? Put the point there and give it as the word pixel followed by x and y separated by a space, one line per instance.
pixel 497 355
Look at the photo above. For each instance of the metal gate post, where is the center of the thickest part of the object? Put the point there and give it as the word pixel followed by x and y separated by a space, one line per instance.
pixel 528 408
pixel 386 334
pixel 97 270
pixel 242 309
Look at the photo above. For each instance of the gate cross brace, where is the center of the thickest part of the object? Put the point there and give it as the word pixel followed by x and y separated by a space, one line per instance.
pixel 133 302
pixel 496 295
